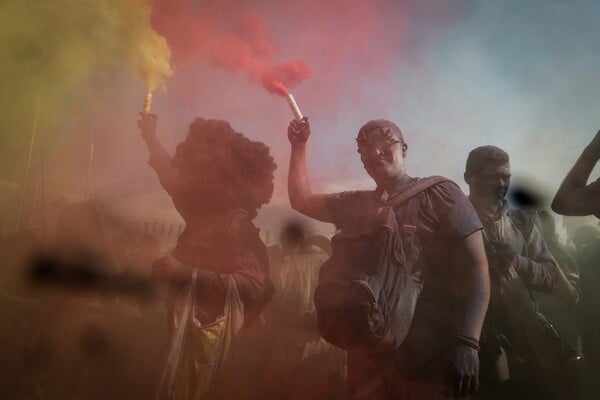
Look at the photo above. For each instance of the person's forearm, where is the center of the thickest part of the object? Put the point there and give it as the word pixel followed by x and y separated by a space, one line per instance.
pixel 565 290
pixel 575 180
pixel 158 154
pixel 299 189
pixel 475 295
pixel 474 291
pixel 160 160
pixel 541 275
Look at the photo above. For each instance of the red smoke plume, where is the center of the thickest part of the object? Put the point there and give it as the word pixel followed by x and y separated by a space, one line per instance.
pixel 248 48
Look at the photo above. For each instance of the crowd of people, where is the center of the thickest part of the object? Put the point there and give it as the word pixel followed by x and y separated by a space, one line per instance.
pixel 423 292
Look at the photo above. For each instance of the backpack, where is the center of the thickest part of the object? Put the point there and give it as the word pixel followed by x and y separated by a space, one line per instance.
pixel 369 287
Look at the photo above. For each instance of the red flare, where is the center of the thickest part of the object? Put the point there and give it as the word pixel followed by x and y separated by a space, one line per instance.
pixel 288 74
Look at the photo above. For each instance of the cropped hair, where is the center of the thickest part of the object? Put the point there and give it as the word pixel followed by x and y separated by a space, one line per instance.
pixel 483 157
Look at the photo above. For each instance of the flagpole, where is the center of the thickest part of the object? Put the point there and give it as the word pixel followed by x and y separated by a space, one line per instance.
pixel 32 212
pixel 89 171
pixel 28 168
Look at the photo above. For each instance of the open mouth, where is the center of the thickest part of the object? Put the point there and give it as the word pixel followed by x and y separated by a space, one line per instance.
pixel 376 165
pixel 377 162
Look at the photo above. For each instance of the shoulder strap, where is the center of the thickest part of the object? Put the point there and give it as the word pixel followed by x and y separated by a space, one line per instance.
pixel 412 215
pixel 417 188
pixel 410 194
pixel 522 221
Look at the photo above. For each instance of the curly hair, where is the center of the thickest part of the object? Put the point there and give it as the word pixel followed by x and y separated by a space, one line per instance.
pixel 224 168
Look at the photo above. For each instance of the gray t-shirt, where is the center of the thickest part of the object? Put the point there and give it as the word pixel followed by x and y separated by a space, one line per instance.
pixel 445 218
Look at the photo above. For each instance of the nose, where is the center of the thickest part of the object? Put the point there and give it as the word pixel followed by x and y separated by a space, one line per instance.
pixel 503 183
pixel 375 152
pixel 372 153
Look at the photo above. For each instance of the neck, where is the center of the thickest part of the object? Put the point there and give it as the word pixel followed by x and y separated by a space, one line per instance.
pixel 484 204
pixel 205 220
pixel 390 184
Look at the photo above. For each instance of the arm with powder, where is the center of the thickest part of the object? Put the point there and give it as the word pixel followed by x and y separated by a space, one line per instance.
pixel 575 196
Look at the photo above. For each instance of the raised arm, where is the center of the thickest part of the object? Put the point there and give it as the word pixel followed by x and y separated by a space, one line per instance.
pixel 160 159
pixel 301 197
pixel 575 196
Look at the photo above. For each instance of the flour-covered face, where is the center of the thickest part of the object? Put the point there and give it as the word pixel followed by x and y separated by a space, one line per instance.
pixel 493 182
pixel 383 158
pixel 382 150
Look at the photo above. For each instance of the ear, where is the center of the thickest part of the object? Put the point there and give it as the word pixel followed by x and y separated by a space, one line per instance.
pixel 467 178
pixel 404 148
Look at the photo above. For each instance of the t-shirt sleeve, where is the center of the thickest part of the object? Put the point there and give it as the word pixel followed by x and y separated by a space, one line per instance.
pixel 451 211
pixel 345 207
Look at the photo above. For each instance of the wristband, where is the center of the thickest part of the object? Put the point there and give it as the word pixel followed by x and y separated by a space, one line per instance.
pixel 469 341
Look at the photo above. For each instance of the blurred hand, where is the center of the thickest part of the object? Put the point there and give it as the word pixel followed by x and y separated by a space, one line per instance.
pixel 464 363
pixel 147 124
pixel 299 131
pixel 170 269
pixel 501 256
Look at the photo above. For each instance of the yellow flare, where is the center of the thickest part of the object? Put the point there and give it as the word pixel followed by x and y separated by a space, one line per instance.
pixel 147 103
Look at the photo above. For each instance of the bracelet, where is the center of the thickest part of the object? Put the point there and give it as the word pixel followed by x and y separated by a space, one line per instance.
pixel 469 341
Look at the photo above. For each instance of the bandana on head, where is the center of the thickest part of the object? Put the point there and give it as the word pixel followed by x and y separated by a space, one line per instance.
pixel 377 129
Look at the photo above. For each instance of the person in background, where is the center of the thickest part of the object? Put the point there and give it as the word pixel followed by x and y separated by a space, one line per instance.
pixel 301 364
pixel 587 240
pixel 512 358
pixel 560 306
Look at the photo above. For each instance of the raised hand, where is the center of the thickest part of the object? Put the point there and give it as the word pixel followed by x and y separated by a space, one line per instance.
pixel 299 131
pixel 147 124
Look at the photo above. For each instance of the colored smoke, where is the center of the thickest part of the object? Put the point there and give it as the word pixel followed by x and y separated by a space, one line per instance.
pixel 62 51
pixel 250 50
pixel 71 57
pixel 242 43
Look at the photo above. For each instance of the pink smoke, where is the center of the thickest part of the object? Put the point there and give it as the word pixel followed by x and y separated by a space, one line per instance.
pixel 247 48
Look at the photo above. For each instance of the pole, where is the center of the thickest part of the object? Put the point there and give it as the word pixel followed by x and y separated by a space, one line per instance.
pixel 32 212
pixel 28 167
pixel 89 171
pixel 43 166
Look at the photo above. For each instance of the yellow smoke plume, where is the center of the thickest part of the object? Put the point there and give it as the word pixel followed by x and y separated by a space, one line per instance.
pixel 76 56
pixel 69 53
pixel 150 53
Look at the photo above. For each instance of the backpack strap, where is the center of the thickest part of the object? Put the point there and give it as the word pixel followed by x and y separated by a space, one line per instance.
pixel 522 221
pixel 418 187
pixel 410 194
pixel 412 214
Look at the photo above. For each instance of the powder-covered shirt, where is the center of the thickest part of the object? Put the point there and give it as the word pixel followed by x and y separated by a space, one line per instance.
pixel 445 218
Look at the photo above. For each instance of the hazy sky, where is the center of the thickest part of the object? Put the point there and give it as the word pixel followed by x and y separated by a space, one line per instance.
pixel 453 75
